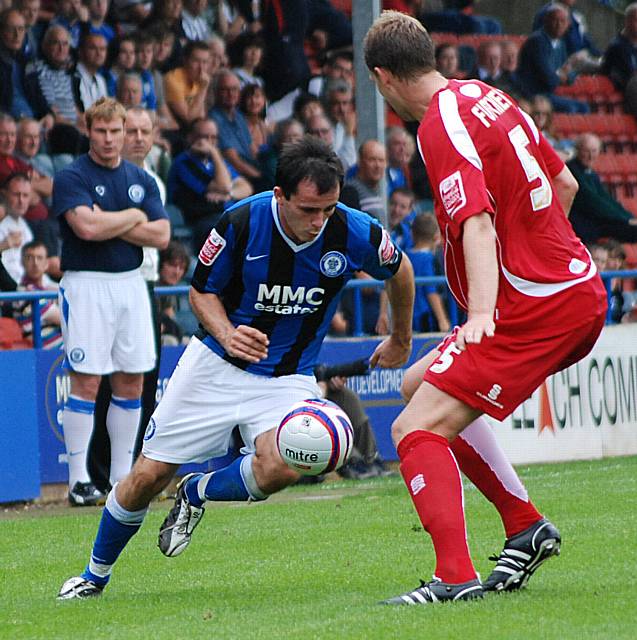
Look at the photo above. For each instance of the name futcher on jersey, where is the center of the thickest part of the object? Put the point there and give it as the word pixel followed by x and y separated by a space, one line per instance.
pixel 289 291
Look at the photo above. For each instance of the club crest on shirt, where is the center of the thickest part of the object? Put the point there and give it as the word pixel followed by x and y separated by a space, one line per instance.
pixel 77 355
pixel 100 189
pixel 387 252
pixel 136 193
pixel 212 247
pixel 333 264
pixel 452 193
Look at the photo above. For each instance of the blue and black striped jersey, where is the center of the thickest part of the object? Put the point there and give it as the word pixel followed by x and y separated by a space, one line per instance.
pixel 288 291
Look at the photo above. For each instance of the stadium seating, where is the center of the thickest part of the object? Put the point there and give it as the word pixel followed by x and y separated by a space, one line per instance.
pixel 618 132
pixel 597 90
pixel 11 335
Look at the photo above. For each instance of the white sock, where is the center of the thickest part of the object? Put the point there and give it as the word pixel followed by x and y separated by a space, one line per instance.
pixel 122 421
pixel 77 423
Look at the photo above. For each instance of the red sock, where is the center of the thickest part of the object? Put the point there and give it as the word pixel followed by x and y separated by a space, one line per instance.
pixel 433 481
pixel 516 514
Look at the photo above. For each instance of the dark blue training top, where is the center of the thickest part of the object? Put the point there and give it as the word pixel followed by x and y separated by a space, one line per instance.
pixel 288 291
pixel 84 182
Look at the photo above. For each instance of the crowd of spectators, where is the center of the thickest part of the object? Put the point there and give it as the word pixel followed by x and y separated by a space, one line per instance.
pixel 231 81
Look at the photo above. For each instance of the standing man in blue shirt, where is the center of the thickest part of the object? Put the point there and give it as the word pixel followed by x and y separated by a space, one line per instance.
pixel 108 210
pixel 266 286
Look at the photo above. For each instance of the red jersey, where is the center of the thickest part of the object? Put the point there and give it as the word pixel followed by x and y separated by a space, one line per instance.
pixel 483 153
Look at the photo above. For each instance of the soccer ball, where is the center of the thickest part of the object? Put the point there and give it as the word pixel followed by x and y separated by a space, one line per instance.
pixel 314 437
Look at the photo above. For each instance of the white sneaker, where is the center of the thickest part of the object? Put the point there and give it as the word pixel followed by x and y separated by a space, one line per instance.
pixel 181 521
pixel 79 588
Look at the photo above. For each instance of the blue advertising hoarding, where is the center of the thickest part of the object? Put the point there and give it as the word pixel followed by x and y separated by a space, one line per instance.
pixel 38 387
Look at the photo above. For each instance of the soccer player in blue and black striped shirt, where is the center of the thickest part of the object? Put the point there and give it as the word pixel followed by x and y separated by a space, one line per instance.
pixel 266 286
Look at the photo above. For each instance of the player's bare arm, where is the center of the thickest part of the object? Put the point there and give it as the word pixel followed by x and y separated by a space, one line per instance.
pixel 243 342
pixel 155 233
pixel 394 351
pixel 565 187
pixel 96 225
pixel 481 264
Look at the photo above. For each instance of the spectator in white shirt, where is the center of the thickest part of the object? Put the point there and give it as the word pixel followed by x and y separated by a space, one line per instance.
pixel 14 231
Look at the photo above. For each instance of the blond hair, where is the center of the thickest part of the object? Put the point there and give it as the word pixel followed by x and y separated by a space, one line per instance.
pixel 401 45
pixel 106 109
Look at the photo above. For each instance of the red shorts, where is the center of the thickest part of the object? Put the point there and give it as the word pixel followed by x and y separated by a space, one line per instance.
pixel 498 374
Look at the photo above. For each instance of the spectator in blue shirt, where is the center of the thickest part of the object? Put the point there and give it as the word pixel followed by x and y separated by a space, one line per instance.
pixel 401 215
pixel 544 63
pixel 201 183
pixel 97 12
pixel 20 95
pixel 620 59
pixel 429 310
pixel 576 37
pixel 235 141
pixel 144 56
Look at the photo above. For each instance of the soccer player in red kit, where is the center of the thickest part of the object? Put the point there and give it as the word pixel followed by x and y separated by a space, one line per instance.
pixel 534 301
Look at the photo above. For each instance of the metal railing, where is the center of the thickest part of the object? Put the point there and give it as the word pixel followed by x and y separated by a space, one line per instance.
pixel 35 298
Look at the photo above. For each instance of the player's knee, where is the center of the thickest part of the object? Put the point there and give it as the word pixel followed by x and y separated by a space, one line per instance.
pixel 85 386
pixel 150 479
pixel 400 428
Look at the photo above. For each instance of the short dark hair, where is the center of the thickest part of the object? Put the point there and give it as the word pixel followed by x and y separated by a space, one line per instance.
pixel 16 175
pixel 34 244
pixel 424 227
pixel 174 252
pixel 404 191
pixel 195 45
pixel 308 159
pixel 401 45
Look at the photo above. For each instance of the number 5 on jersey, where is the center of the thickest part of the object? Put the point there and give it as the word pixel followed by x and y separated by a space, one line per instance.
pixel 542 196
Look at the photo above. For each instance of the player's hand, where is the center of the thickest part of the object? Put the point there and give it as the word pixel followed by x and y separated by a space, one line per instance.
pixel 247 343
pixel 391 353
pixel 478 326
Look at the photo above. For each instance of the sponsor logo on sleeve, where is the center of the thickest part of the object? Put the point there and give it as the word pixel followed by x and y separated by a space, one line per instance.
pixel 452 193
pixel 212 247
pixel 387 252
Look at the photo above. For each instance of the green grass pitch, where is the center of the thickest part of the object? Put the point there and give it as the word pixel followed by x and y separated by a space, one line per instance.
pixel 312 563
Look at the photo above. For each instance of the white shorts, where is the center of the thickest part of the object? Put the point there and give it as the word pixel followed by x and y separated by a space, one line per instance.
pixel 204 400
pixel 106 322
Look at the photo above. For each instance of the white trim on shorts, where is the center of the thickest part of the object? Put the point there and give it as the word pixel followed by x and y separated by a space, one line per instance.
pixel 107 322
pixel 207 397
